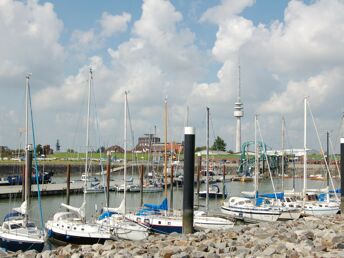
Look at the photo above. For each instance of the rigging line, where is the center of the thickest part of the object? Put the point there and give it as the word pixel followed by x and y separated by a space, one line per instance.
pixel 133 156
pixel 36 163
pixel 212 126
pixel 335 158
pixel 99 136
pixel 321 148
pixel 267 161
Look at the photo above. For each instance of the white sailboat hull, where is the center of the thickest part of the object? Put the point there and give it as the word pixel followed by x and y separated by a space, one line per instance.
pixel 251 215
pixel 124 229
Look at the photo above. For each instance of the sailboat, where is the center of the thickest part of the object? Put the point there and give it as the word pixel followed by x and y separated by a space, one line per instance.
pixel 162 220
pixel 71 226
pixel 309 207
pixel 18 232
pixel 114 218
pixel 215 191
pixel 252 210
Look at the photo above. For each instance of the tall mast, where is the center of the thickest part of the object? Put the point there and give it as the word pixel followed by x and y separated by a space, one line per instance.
pixel 125 149
pixel 27 110
pixel 27 149
pixel 283 129
pixel 256 159
pixel 305 151
pixel 87 133
pixel 165 160
pixel 207 163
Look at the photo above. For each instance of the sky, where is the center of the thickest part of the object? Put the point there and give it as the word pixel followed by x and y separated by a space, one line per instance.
pixel 186 51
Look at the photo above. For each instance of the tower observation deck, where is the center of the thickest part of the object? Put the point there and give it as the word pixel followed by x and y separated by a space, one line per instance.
pixel 238 114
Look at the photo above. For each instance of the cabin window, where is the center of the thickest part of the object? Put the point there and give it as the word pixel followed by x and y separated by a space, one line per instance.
pixel 292 206
pixel 138 220
pixel 15 226
pixel 159 222
pixel 68 227
pixel 82 229
pixel 74 228
pixel 169 223
pixel 63 226
pixel 146 220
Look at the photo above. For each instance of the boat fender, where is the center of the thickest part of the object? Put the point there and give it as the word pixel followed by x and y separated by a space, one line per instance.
pixel 50 233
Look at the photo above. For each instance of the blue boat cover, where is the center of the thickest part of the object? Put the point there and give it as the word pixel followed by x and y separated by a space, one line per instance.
pixel 162 206
pixel 105 215
pixel 12 214
pixel 338 190
pixel 279 195
pixel 146 212
pixel 322 197
pixel 259 201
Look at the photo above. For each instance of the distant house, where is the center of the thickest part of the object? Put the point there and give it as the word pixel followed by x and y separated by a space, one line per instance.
pixel 115 149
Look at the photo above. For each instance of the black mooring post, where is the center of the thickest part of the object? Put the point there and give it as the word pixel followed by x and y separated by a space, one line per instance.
pixel 171 189
pixel 68 185
pixel 108 171
pixel 342 166
pixel 141 184
pixel 188 189
pixel 328 158
pixel 23 183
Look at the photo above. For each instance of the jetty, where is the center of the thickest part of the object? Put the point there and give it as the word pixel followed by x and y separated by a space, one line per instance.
pixel 12 191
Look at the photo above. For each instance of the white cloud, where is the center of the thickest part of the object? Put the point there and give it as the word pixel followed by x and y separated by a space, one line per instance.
pixel 299 56
pixel 225 11
pixel 95 38
pixel 30 35
pixel 112 24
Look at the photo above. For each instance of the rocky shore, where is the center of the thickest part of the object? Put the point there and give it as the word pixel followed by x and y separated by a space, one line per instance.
pixel 307 237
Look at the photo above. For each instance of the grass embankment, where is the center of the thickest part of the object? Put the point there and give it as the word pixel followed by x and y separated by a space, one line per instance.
pixel 66 157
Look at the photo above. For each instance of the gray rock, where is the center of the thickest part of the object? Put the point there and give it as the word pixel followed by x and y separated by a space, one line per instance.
pixel 181 255
pixel 202 248
pixel 269 251
pixel 45 254
pixel 28 254
pixel 198 254
pixel 213 255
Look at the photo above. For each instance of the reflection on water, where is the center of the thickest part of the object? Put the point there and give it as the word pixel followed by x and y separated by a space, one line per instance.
pixel 51 204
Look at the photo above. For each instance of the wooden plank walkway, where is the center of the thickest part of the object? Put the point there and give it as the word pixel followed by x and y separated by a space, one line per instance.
pixel 46 189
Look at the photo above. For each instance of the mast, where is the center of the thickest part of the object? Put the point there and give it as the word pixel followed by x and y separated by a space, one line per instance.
pixel 256 159
pixel 125 150
pixel 328 159
pixel 305 151
pixel 283 130
pixel 27 173
pixel 165 156
pixel 207 163
pixel 87 135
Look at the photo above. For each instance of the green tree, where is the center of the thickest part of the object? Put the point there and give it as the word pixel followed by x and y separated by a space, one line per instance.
pixel 197 149
pixel 219 144
pixel 39 149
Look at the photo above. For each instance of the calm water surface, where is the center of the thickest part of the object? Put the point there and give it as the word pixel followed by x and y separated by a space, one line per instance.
pixel 51 204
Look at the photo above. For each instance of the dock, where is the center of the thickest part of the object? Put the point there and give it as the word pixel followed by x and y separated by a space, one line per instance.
pixel 12 191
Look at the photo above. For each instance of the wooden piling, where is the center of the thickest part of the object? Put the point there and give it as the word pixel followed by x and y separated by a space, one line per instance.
pixel 224 182
pixel 68 185
pixel 188 189
pixel 171 188
pixel 108 171
pixel 141 184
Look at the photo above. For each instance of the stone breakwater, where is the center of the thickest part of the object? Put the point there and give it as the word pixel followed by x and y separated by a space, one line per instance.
pixel 309 237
